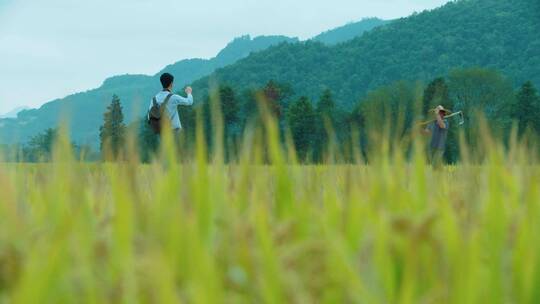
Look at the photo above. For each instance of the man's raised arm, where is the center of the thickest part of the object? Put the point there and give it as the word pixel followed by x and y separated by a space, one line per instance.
pixel 179 100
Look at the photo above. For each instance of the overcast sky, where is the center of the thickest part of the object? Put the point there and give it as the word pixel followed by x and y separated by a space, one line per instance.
pixel 51 48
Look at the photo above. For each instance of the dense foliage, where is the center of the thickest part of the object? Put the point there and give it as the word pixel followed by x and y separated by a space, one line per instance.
pixel 389 111
pixel 500 34
pixel 527 109
pixel 349 31
pixel 40 148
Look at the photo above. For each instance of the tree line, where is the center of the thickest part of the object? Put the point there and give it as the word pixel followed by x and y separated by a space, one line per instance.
pixel 320 129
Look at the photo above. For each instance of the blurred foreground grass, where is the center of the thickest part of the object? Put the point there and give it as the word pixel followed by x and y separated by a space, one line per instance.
pixel 393 231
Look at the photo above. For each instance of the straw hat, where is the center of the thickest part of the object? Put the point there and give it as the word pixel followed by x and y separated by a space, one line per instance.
pixel 441 108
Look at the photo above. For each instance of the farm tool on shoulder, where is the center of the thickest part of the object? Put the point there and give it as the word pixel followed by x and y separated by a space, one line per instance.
pixel 449 114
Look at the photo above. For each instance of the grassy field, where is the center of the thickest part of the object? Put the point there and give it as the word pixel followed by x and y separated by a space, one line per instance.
pixel 393 231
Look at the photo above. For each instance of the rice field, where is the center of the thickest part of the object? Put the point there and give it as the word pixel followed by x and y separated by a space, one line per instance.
pixel 391 231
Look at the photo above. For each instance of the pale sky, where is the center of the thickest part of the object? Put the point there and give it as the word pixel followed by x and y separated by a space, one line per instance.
pixel 52 48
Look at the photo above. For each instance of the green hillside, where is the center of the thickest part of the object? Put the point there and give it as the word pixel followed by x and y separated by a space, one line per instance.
pixel 85 110
pixel 500 34
pixel 349 31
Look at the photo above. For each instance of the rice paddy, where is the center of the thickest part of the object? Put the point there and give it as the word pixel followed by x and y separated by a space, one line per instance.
pixel 393 230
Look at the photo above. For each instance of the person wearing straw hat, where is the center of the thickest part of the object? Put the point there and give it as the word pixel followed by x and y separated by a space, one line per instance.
pixel 439 133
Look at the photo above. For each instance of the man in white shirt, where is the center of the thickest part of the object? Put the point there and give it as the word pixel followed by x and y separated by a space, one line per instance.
pixel 171 110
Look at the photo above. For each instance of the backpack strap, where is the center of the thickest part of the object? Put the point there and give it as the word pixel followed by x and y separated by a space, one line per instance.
pixel 166 101
pixel 154 102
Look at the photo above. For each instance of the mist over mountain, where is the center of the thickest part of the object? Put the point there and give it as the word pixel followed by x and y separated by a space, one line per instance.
pixel 13 113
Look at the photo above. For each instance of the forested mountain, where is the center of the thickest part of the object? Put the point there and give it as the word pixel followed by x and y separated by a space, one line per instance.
pixel 186 71
pixel 85 110
pixel 349 31
pixel 500 34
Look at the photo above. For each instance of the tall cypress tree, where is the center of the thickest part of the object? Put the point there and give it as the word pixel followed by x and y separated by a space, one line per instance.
pixel 111 133
pixel 326 105
pixel 527 109
pixel 272 95
pixel 436 94
pixel 229 107
pixel 227 104
pixel 326 111
pixel 302 123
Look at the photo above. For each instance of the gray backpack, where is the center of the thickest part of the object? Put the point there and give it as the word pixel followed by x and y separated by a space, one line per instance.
pixel 156 113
